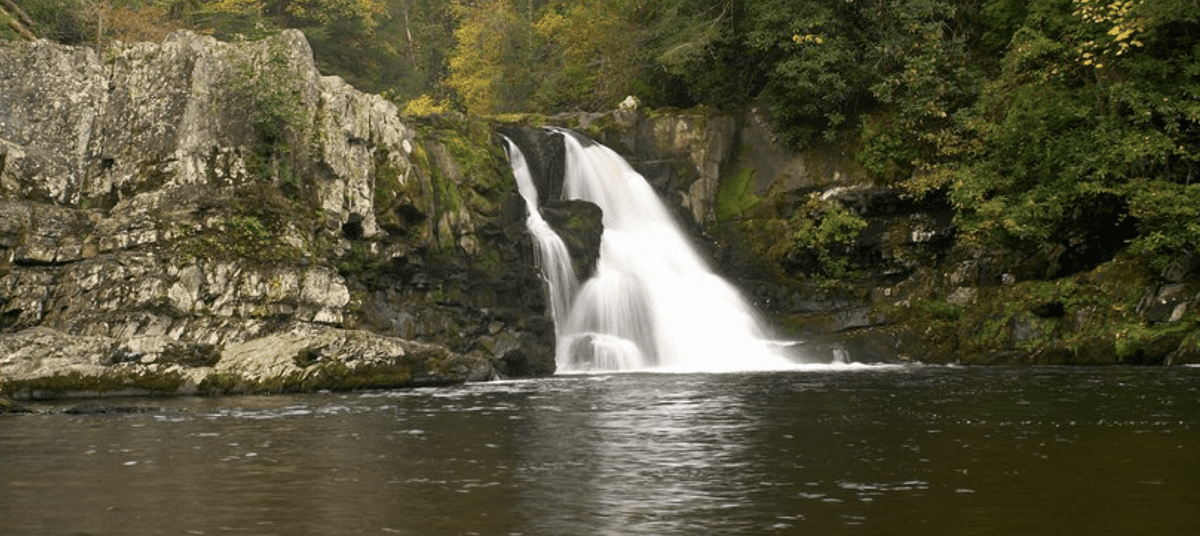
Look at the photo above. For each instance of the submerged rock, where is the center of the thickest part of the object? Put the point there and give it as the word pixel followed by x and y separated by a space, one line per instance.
pixel 101 408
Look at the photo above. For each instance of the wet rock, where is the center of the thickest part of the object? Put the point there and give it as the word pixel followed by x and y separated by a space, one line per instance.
pixel 97 407
pixel 43 363
pixel 311 357
pixel 9 406
pixel 853 319
pixel 522 354
pixel 1187 353
pixel 580 225
pixel 1183 266
pixel 545 155
pixel 1168 304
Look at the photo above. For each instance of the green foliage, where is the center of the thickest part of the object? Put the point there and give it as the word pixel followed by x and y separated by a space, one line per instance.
pixel 424 105
pixel 1170 219
pixel 97 22
pixel 584 54
pixel 591 48
pixel 828 223
pixel 487 69
pixel 1091 104
pixel 827 230
pixel 269 90
pixel 736 195
pixel 815 78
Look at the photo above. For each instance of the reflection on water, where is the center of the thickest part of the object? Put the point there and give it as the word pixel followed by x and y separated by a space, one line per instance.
pixel 901 450
pixel 667 456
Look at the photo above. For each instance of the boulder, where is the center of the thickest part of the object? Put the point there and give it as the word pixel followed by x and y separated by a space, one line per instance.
pixel 580 225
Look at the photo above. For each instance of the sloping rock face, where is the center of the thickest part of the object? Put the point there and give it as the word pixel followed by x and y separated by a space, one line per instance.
pixel 207 195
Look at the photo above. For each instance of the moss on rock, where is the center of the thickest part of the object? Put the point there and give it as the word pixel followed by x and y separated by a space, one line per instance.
pixel 117 381
pixel 1096 317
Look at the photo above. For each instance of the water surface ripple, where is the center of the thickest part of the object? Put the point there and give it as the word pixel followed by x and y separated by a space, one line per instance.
pixel 899 450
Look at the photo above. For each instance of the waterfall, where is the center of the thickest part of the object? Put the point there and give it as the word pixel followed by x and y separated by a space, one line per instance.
pixel 554 260
pixel 653 303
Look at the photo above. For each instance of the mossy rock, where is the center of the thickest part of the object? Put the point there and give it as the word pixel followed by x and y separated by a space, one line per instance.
pixel 1090 318
pixel 111 382
pixel 8 406
pixel 736 194
pixel 1188 351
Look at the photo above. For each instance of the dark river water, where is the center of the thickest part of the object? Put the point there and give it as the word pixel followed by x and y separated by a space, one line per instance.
pixel 896 451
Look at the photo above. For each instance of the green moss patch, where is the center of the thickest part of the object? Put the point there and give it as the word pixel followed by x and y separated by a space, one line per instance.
pixel 736 196
pixel 1089 318
pixel 109 383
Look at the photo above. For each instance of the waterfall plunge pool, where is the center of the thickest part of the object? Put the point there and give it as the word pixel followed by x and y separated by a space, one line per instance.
pixel 900 450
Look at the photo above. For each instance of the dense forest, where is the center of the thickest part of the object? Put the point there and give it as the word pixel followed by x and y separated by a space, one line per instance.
pixel 1029 116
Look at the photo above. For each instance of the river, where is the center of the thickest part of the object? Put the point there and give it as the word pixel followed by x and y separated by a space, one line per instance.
pixel 911 450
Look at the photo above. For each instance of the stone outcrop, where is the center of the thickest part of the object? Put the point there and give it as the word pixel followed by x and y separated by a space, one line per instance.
pixel 578 223
pixel 43 362
pixel 195 197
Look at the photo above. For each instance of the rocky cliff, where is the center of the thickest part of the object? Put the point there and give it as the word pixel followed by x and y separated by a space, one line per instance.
pixel 199 216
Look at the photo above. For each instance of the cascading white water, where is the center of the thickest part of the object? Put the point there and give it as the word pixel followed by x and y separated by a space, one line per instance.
pixel 555 261
pixel 653 303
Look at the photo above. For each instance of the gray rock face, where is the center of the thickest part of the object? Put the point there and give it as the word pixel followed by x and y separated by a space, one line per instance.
pixel 190 111
pixel 51 98
pixel 189 197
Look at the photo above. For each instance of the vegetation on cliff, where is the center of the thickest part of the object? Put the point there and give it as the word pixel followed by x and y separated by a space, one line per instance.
pixel 1058 134
pixel 1031 115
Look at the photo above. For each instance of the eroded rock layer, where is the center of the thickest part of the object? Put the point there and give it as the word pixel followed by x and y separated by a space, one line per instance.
pixel 209 198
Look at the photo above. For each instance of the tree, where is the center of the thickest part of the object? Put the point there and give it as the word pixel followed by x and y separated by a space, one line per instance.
pixel 592 47
pixel 489 68
pixel 1090 117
